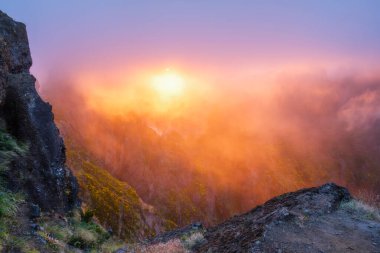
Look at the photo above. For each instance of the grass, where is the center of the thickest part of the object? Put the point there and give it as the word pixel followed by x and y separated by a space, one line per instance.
pixel 110 246
pixel 185 244
pixel 115 204
pixel 87 235
pixel 10 149
pixel 194 239
pixel 369 197
pixel 75 232
pixel 62 234
pixel 10 145
pixel 362 209
pixel 172 246
pixel 9 203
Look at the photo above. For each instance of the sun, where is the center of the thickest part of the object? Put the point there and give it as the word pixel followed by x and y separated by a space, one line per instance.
pixel 169 84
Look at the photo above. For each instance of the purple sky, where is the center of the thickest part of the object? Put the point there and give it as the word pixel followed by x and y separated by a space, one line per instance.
pixel 92 34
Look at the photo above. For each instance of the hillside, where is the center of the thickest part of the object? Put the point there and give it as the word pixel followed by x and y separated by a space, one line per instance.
pixel 116 204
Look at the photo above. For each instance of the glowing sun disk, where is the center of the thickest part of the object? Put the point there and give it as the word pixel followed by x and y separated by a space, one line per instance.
pixel 168 84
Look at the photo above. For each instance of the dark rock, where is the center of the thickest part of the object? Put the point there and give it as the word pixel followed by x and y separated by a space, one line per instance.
pixel 14 47
pixel 35 211
pixel 311 220
pixel 34 227
pixel 197 225
pixel 246 233
pixel 41 174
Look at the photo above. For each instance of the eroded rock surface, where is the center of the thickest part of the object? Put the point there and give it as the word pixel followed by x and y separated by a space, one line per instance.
pixel 320 219
pixel 42 173
pixel 309 220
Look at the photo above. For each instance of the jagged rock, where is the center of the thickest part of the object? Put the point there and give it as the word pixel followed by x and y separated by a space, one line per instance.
pixel 35 211
pixel 34 227
pixel 309 220
pixel 42 173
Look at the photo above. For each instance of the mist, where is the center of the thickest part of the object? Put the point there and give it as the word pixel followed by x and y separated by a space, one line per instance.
pixel 227 144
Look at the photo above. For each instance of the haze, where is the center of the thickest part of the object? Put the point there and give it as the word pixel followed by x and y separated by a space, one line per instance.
pixel 214 102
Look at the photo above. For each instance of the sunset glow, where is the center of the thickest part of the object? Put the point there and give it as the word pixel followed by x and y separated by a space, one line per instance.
pixel 235 101
pixel 168 84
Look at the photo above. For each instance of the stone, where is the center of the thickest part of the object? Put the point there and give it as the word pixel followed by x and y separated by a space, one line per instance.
pixel 277 212
pixel 42 173
pixel 35 211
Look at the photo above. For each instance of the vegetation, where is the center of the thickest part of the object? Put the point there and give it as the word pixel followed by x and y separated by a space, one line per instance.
pixel 9 201
pixel 172 246
pixel 58 234
pixel 114 203
pixel 368 197
pixel 362 209
pixel 185 244
pixel 74 232
pixel 192 240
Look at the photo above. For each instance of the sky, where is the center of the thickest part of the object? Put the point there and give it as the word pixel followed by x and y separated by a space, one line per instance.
pixel 218 36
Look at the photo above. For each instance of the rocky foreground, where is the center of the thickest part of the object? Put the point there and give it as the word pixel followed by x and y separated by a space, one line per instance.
pixel 322 219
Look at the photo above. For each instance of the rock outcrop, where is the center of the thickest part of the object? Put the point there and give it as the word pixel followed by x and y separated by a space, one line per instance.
pixel 309 220
pixel 42 173
pixel 320 219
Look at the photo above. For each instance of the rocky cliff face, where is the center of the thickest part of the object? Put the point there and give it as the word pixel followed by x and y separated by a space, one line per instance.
pixel 42 173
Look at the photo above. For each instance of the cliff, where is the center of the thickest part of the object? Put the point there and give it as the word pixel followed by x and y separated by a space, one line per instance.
pixel 41 174
pixel 34 176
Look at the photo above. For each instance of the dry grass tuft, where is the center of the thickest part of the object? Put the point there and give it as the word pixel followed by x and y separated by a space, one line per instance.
pixel 172 246
pixel 362 209
pixel 193 240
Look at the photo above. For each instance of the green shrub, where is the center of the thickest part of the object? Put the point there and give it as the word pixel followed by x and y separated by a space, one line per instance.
pixel 83 239
pixel 87 216
pixel 114 203
pixel 8 143
pixel 9 201
pixel 9 150
pixel 87 235
pixel 62 233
